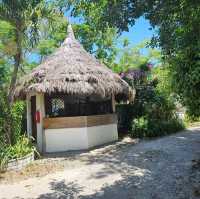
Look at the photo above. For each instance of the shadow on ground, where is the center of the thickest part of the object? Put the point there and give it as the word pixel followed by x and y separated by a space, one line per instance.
pixel 62 190
pixel 156 169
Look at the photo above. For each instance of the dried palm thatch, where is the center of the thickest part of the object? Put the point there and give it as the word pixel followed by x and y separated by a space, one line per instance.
pixel 71 70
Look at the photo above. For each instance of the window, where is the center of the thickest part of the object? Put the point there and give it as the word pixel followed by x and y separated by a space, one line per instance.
pixel 54 106
pixel 68 106
pixel 57 106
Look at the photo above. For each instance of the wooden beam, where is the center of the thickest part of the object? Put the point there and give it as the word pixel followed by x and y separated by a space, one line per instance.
pixel 80 121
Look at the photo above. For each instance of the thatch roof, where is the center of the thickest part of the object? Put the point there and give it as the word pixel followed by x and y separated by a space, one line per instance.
pixel 72 70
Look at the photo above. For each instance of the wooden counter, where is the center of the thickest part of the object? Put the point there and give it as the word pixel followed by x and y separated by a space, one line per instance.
pixel 80 121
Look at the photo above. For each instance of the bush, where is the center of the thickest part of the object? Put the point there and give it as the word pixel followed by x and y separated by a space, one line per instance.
pixel 158 118
pixel 191 118
pixel 12 143
pixel 144 127
pixel 153 112
pixel 139 127
pixel 128 112
pixel 125 114
pixel 17 112
pixel 10 119
pixel 21 148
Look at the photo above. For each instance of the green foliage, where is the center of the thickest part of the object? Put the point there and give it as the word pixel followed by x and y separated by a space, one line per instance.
pixel 157 117
pixel 4 73
pixel 21 19
pixel 191 120
pixel 97 42
pixel 153 112
pixel 145 127
pixel 186 82
pixel 139 127
pixel 135 58
pixel 12 143
pixel 118 14
pixel 7 50
pixel 100 43
pixel 179 30
pixel 163 75
pixel 21 148
pixel 10 119
pixel 53 32
pixel 46 47
pixel 7 40
pixel 17 111
pixel 125 114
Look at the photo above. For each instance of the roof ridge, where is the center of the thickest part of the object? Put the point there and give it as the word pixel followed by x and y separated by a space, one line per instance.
pixel 70 36
pixel 70 32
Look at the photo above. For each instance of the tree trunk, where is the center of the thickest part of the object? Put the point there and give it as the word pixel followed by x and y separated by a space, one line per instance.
pixel 17 62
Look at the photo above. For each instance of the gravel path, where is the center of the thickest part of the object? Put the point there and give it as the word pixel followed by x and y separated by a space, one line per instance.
pixel 164 168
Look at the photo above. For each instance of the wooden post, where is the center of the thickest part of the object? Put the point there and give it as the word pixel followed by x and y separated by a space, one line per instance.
pixel 41 110
pixel 113 103
pixel 28 115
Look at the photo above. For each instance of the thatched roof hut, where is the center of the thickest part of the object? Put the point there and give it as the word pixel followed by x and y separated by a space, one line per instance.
pixel 71 100
pixel 72 70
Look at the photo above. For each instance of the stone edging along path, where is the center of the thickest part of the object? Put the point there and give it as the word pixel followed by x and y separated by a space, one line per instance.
pixel 19 163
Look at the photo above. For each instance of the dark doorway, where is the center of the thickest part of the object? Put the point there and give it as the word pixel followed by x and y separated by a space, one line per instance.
pixel 33 119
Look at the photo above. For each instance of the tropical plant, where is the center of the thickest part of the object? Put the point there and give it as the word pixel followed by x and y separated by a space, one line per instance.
pixel 21 148
pixel 10 119
pixel 154 111
pixel 23 16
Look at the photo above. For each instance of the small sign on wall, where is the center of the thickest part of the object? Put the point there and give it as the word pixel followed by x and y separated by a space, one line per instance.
pixel 37 116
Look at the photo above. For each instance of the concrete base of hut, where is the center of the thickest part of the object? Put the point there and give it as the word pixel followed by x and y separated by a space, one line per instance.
pixel 67 139
pixel 79 133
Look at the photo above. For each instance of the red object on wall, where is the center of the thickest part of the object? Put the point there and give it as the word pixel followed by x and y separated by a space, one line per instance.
pixel 37 116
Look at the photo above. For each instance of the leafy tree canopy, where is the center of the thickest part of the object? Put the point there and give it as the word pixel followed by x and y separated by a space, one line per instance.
pixel 136 56
pixel 178 35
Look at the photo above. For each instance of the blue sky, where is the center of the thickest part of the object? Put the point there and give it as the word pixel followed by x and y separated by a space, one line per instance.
pixel 139 32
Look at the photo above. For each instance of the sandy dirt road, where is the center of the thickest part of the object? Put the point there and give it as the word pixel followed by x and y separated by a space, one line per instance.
pixel 162 168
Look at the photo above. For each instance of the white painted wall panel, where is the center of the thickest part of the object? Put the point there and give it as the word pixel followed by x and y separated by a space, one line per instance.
pixel 98 135
pixel 66 139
